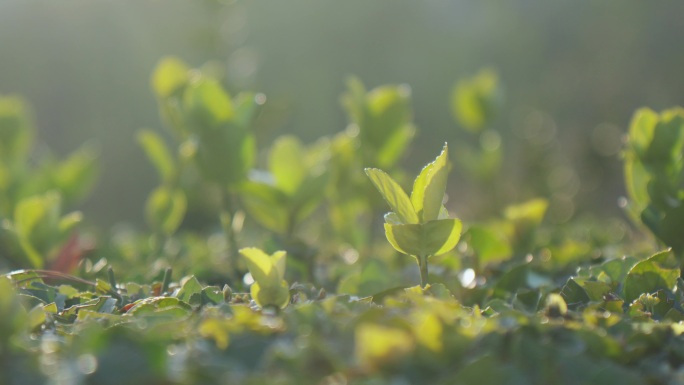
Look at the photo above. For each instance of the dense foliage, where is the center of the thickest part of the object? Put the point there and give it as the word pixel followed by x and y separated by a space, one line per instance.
pixel 289 282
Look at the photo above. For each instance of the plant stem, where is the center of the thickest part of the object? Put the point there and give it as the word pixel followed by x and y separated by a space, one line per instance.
pixel 422 263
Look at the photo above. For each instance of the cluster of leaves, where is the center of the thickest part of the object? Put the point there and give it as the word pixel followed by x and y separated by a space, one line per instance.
pixel 35 189
pixel 419 226
pixel 613 321
pixel 506 300
pixel 654 173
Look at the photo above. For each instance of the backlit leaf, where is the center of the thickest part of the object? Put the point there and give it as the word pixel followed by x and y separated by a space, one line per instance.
pixel 266 269
pixel 169 75
pixel 490 243
pixel 165 209
pixel 75 175
pixel 266 204
pixel 16 129
pixel 474 100
pixel 428 239
pixel 287 164
pixel 158 154
pixel 376 345
pixel 216 329
pixel 271 295
pixel 429 187
pixel 394 195
pixel 208 103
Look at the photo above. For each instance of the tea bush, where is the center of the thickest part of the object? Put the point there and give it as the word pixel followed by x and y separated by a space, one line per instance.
pixel 290 281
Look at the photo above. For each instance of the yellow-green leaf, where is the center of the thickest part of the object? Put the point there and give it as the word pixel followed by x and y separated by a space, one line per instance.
pixel 165 209
pixel 266 269
pixel 158 154
pixel 287 163
pixel 207 101
pixel 442 235
pixel 75 175
pixel 428 239
pixel 36 222
pixel 69 221
pixel 377 344
pixel 279 259
pixel 277 295
pixel 531 212
pixel 641 129
pixel 266 204
pixel 474 100
pixel 428 330
pixel 429 187
pixel 216 329
pixel 394 195
pixel 169 75
pixel 16 129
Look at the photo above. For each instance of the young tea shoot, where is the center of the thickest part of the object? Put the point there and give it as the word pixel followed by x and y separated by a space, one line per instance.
pixel 269 288
pixel 420 225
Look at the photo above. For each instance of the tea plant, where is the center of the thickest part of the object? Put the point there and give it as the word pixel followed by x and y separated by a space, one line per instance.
pixel 513 300
pixel 33 194
pixel 212 131
pixel 379 132
pixel 419 226
pixel 269 288
pixel 654 173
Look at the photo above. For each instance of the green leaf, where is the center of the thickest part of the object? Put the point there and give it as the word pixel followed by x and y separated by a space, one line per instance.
pixel 617 269
pixel 16 129
pixel 394 195
pixel 395 145
pixel 641 129
pixel 69 221
pixel 36 224
pixel 636 183
pixel 158 154
pixel 266 204
pixel 573 294
pixel 152 304
pixel 595 290
pixel 269 288
pixel 13 316
pixel 165 209
pixel 287 164
pixel 556 303
pixel 269 270
pixel 376 345
pixel 225 152
pixel 429 187
pixel 531 212
pixel 659 272
pixel 383 117
pixel 212 295
pixel 385 124
pixel 191 287
pixel 216 329
pixel 270 295
pixel 170 75
pixel 246 106
pixel 427 239
pixel 666 144
pixel 76 175
pixel 474 100
pixel 207 103
pixel 490 244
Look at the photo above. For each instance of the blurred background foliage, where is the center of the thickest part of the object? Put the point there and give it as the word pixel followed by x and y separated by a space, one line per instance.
pixel 569 77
